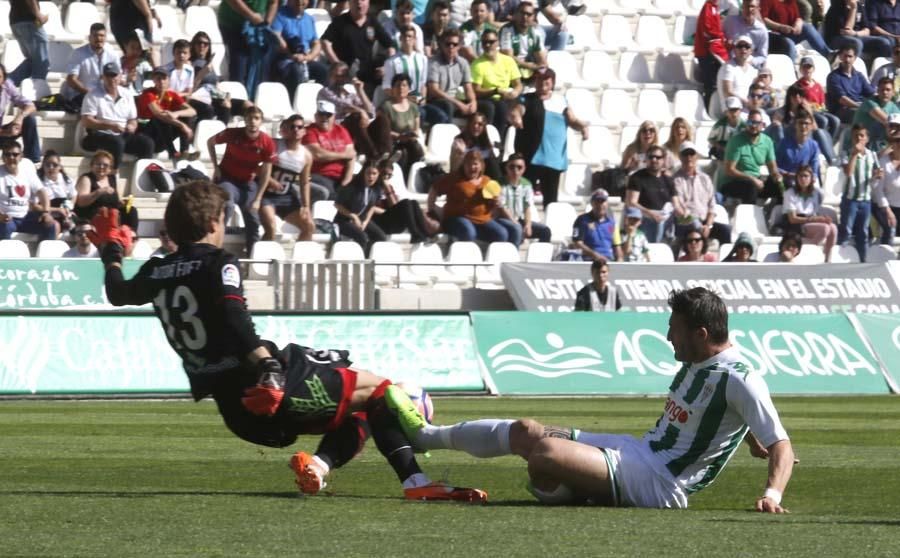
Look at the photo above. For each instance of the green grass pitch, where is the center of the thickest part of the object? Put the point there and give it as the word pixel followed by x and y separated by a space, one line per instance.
pixel 161 479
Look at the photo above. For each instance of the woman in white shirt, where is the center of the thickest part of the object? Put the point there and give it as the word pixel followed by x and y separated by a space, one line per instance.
pixel 803 212
pixel 58 194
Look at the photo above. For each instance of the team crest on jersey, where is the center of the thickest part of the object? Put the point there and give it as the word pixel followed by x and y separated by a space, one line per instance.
pixel 231 276
pixel 707 392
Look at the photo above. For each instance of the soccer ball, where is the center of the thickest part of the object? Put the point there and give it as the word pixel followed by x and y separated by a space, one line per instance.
pixel 420 398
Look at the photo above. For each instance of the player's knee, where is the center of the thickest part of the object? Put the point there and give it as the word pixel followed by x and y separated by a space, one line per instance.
pixel 523 435
pixel 543 457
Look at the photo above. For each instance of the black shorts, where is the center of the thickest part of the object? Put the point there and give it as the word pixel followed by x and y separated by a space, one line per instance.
pixel 317 397
pixel 284 204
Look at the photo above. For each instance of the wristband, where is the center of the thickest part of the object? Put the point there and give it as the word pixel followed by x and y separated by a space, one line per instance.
pixel 774 495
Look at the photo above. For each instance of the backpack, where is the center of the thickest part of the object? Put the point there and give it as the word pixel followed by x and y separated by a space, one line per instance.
pixel 613 180
pixel 164 180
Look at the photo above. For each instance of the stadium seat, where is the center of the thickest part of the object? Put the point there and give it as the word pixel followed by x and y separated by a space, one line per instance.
pixel 670 71
pixel 52 248
pixel 54 26
pixel 684 27
pixel 346 250
pixel 615 34
pixel 653 105
pixel 688 104
pixel 60 52
pixel 80 16
pixel 860 66
pixel 493 136
pixel 673 7
pixel 583 105
pixel 813 254
pixel 877 63
pixel 540 252
pixel 13 249
pixel 319 14
pixel 566 68
pixel 833 189
pixel 599 149
pixel 171 27
pixel 141 250
pixel 634 69
pixel 576 182
pixel 660 252
pixel 34 89
pixel 12 55
pixel 272 97
pixel 652 35
pixel 749 218
pixel 463 254
pixel 5 29
pixel 440 140
pixel 783 72
pixel 205 130
pixel 763 250
pixel 430 262
pixel 881 253
pixel 498 253
pixel 235 88
pixel 305 100
pixel 324 209
pixel 844 254
pixel 201 18
pixel 308 251
pixel 264 250
pixel 560 217
pixel 598 71
pixel 142 187
pixel 390 252
pixel 821 67
pixel 573 147
pixel 584 37
pixel 616 107
pixel 701 139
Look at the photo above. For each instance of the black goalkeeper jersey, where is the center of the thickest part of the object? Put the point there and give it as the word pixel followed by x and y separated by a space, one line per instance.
pixel 198 297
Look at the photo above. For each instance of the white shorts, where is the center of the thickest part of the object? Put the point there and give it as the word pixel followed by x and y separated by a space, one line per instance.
pixel 634 480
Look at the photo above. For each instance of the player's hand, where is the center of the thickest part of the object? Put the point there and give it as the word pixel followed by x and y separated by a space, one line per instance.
pixel 768 505
pixel 265 397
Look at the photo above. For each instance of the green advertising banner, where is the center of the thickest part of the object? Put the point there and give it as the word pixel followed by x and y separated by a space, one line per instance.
pixel 883 332
pixel 69 283
pixel 129 354
pixel 627 352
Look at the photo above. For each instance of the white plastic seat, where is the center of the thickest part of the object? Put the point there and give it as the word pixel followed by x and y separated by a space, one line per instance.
pixel 670 71
pixel 599 149
pixel 205 130
pixel 833 189
pixel 821 67
pixel 462 253
pixel 688 104
pixel 347 250
pixel 598 71
pixel 660 252
pixel 652 34
pixel 264 250
pixel 812 254
pixel 143 187
pixel 877 63
pixel 653 105
pixel 272 97
pixel 565 66
pixel 493 135
pixel 540 252
pixel 59 52
pixel 750 218
pixel 5 28
pixel 141 250
pixel 724 250
pixel 581 29
pixel 12 55
pixel 701 139
pixel 80 16
pixel 576 183
pixel 305 100
pixel 881 253
pixel 235 88
pixel 13 249
pixel 783 72
pixel 52 248
pixel 440 141
pixel 672 7
pixel 392 253
pixel 427 261
pixel 583 105
pixel 308 251
pixel 171 26
pixel 634 69
pixel 615 33
pixel 54 26
pixel 324 209
pixel 560 217
pixel 202 18
pixel 498 253
pixel 34 89
pixel 844 254
pixel 616 107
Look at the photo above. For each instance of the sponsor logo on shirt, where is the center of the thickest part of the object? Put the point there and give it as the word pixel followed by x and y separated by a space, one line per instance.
pixel 231 276
pixel 676 412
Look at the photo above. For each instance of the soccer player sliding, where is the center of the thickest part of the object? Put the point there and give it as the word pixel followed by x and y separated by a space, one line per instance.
pixel 266 396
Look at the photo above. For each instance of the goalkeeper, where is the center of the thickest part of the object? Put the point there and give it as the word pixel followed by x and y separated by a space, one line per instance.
pixel 265 395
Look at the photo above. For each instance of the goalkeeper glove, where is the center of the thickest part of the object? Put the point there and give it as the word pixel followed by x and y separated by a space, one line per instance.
pixel 265 397
pixel 107 231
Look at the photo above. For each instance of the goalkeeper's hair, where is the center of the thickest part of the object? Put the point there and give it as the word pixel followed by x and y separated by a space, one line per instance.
pixel 702 308
pixel 191 208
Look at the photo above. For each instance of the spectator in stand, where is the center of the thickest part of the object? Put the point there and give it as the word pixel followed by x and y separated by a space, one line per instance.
pixel 288 193
pixel 127 17
pixel 400 120
pixel 873 113
pixel 891 69
pixel 27 24
pixel 403 19
pixel 815 96
pixel 556 12
pixel 736 77
pixel 497 82
pixel 724 128
pixel 86 66
pixel 351 38
pixel 748 23
pixel 884 19
pixel 503 11
pixel 709 48
pixel 410 62
pixel 798 150
pixel 523 39
pixel 696 249
pixel 517 200
pixel 635 247
pixel 181 71
pixel 788 249
pixel 395 216
pixel 459 11
pixel 135 64
pixel 419 9
pixel 595 235
pixel 653 192
pixel 298 46
pixel 862 171
pixel 109 116
pixel 449 85
pixel 239 22
pixel 166 245
pixel 20 209
pixel 435 27
pixel 846 88
pixel 206 98
pixel 473 30
pixel 803 212
pixel 742 251
pixel 746 152
pixel 847 23
pixel 598 295
pixel 352 110
pixel 167 117
pixel 58 194
pixel 787 28
pixel 356 204
pixel 332 149
pixel 679 133
pixel 24 124
pixel 886 195
pixel 542 121
pixel 245 170
pixel 784 118
pixel 772 97
pixel 634 158
pixel 98 188
pixel 474 137
pixel 755 100
pixel 471 200
pixel 697 196
pixel 83 247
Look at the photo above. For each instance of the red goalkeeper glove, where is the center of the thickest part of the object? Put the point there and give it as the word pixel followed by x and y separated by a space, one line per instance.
pixel 114 240
pixel 265 397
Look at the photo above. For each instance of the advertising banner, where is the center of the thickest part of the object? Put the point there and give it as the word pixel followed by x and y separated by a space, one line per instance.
pixel 746 288
pixel 129 354
pixel 70 283
pixel 627 353
pixel 883 332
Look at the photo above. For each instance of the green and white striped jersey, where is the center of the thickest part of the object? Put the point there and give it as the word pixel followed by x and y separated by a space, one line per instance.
pixel 710 406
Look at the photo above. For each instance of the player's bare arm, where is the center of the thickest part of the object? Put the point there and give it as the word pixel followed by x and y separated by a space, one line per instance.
pixel 781 465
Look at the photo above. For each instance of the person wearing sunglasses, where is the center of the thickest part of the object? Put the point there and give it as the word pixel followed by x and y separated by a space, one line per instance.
pixel 449 83
pixel 497 81
pixel 20 210
pixel 653 193
pixel 695 248
pixel 83 247
pixel 735 78
pixel 58 194
pixel 517 200
pixel 472 46
pixel 290 192
pixel 746 153
pixel 523 39
pixel 847 22
pixel 747 22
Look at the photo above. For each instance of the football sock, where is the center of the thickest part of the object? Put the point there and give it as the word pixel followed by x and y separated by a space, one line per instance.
pixel 480 438
pixel 390 439
pixel 339 446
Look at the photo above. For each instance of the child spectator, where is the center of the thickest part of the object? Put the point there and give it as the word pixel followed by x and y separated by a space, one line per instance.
pixel 635 247
pixel 724 128
pixel 517 199
pixel 861 169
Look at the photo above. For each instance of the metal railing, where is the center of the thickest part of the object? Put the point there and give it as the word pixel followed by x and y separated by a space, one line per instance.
pixel 325 285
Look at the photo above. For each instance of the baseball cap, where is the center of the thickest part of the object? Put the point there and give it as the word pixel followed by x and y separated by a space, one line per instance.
pixel 733 103
pixel 743 39
pixel 807 61
pixel 687 146
pixel 894 119
pixel 632 212
pixel 325 107
pixel 600 195
pixel 111 69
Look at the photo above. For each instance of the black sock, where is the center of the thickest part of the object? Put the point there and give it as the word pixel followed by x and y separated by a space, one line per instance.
pixel 390 439
pixel 339 446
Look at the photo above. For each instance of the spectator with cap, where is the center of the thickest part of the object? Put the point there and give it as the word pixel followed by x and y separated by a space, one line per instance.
pixel 473 29
pixel 884 19
pixel 742 250
pixel 352 108
pixel 710 49
pixel 297 59
pixel 749 24
pixel 109 116
pixel 697 196
pixel 167 116
pixel 351 38
pixel 86 66
pixel 598 295
pixel 26 21
pixel 873 113
pixel 24 124
pixel 653 193
pixel 728 125
pixel 523 39
pixel 517 199
pixel 635 246
pixel 848 23
pixel 595 235
pixel 814 94
pixel 449 83
pixel 787 28
pixel 244 170
pixel 332 150
pixel 745 154
pixel 83 247
pixel 736 77
pixel 756 97
pixel 497 82
pixel 846 88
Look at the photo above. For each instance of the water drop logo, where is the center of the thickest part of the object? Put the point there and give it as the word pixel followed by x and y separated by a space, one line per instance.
pixel 516 355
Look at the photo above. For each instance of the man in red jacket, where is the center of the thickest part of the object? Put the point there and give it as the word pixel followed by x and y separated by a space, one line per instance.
pixel 709 47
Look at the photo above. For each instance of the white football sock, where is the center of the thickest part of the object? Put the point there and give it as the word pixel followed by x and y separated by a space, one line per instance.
pixel 416 480
pixel 322 465
pixel 480 438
